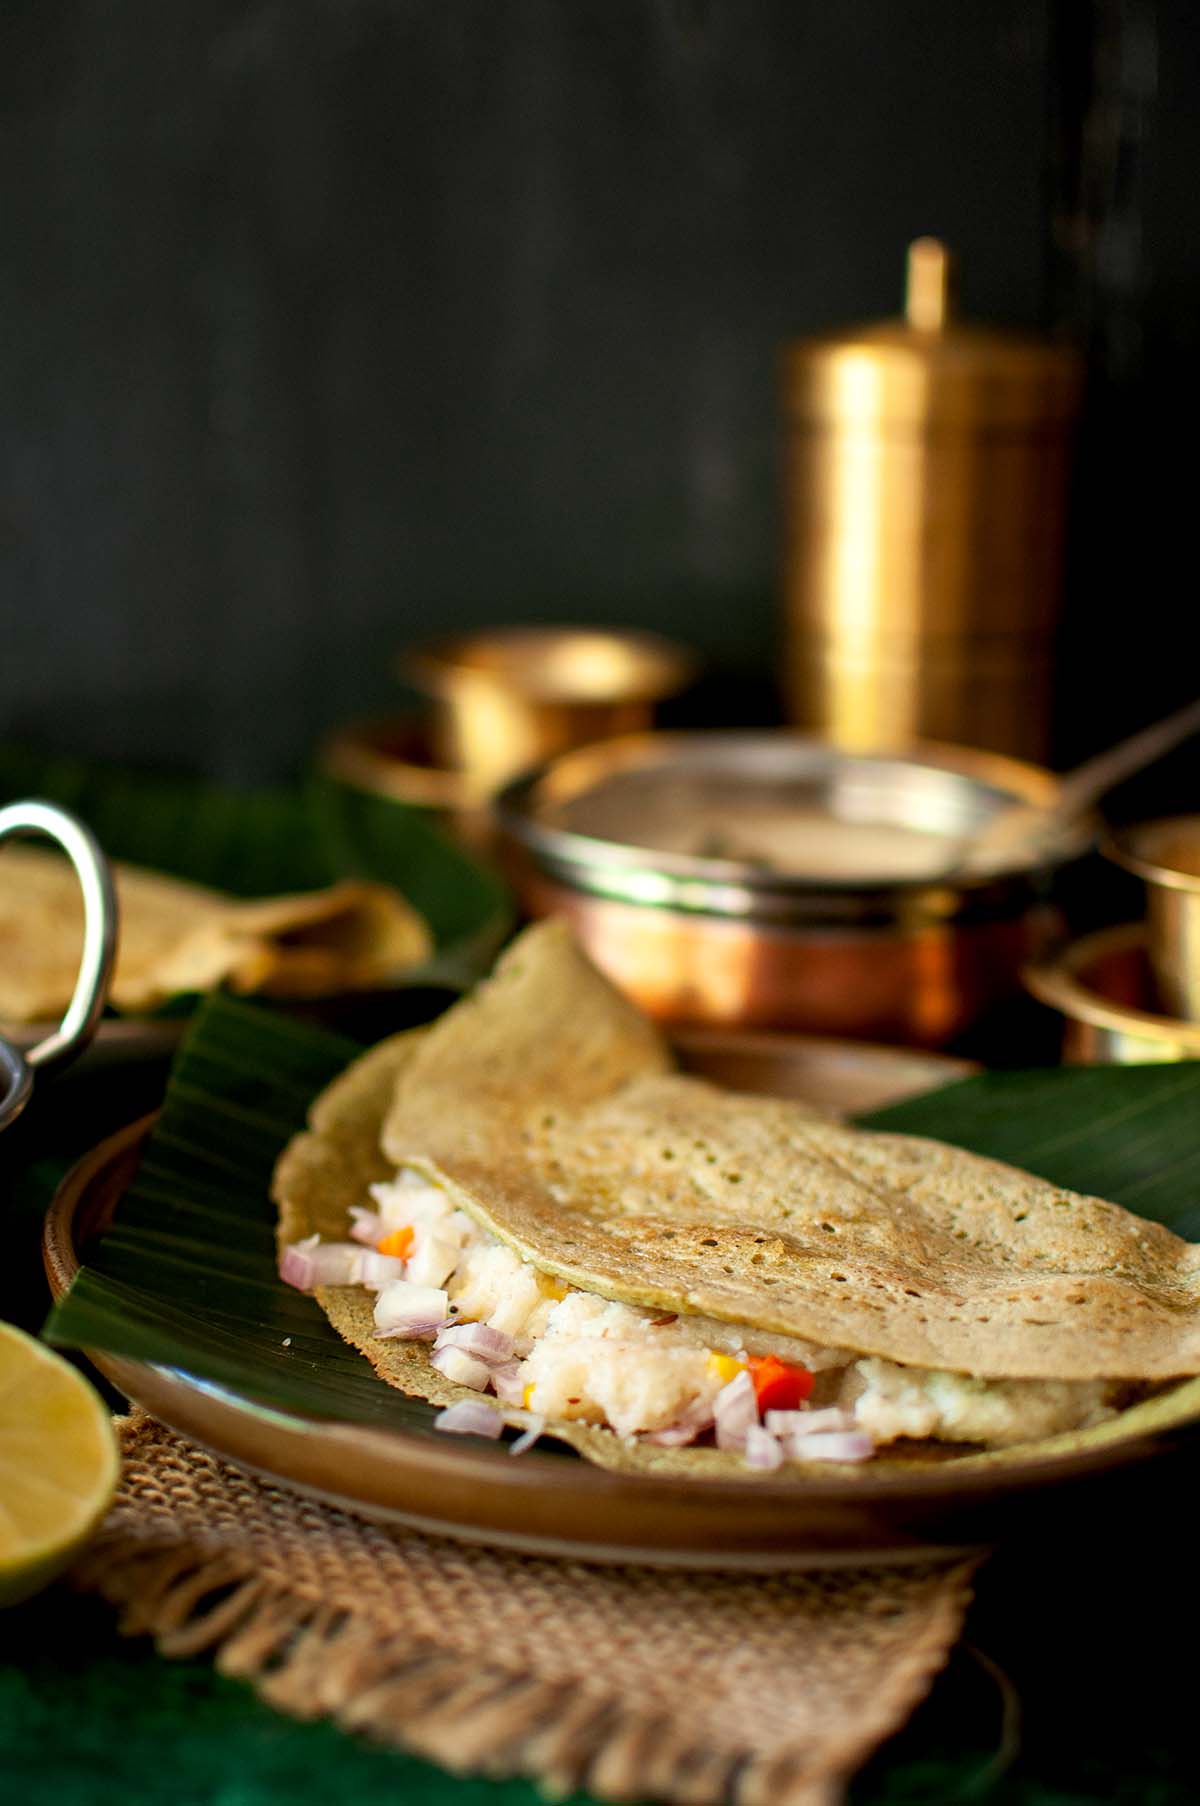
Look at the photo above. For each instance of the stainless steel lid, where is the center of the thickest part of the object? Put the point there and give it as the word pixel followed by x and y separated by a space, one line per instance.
pixel 755 824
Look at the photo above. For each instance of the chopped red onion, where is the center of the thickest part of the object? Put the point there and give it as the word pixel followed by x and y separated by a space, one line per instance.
pixel 735 1409
pixel 853 1445
pixel 410 1332
pixel 296 1265
pixel 507 1383
pixel 673 1436
pixel 469 1417
pixel 402 1309
pixel 808 1423
pixel 375 1270
pixel 461 1368
pixel 762 1449
pixel 529 1437
pixel 365 1225
pixel 479 1340
pixel 337 1263
pixel 687 1426
pixel 313 1262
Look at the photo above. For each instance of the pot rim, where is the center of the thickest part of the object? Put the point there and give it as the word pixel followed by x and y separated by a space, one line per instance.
pixel 1135 848
pixel 730 887
pixel 527 661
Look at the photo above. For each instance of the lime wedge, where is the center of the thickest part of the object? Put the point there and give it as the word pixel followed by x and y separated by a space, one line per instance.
pixel 58 1463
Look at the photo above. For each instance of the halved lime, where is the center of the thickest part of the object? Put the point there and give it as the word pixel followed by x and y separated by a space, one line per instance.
pixel 58 1463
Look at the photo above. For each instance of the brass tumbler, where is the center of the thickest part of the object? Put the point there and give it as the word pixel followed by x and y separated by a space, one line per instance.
pixel 925 504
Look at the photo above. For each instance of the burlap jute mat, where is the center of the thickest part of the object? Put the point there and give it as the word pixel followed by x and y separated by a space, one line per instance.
pixel 631 1683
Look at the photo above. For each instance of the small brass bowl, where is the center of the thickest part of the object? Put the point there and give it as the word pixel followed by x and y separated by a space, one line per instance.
pixel 680 859
pixel 1103 987
pixel 505 700
pixel 1167 855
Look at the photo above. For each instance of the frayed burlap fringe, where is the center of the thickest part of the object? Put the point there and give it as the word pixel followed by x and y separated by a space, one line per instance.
pixel 631 1683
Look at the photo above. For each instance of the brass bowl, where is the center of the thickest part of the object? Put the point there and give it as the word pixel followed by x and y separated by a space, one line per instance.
pixel 734 942
pixel 1103 987
pixel 504 700
pixel 1167 855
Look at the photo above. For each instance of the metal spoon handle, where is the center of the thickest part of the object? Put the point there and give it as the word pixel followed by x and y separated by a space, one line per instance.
pixel 1091 780
pixel 1022 830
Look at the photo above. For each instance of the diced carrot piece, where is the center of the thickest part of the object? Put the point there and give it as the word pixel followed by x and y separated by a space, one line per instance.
pixel 399 1242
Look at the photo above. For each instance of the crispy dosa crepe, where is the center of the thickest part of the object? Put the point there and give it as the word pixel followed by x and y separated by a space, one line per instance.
pixel 325 1171
pixel 177 938
pixel 546 1106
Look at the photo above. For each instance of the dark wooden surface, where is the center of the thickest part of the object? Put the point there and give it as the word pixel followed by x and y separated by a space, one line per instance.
pixel 328 325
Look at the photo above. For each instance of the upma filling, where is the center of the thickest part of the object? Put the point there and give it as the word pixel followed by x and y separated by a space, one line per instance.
pixel 498 1324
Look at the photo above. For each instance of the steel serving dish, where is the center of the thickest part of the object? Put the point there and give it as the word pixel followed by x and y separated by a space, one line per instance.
pixel 695 936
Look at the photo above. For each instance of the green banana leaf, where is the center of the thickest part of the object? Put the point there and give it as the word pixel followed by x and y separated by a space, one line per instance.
pixel 186 1277
pixel 264 843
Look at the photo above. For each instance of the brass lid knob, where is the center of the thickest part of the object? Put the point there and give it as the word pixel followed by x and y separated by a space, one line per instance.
pixel 929 290
pixel 929 366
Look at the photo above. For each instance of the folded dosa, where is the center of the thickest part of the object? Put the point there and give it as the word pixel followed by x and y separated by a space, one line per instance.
pixel 177 937
pixel 548 1109
pixel 546 1105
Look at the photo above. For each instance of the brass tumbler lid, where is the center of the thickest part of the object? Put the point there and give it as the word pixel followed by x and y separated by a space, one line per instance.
pixel 930 367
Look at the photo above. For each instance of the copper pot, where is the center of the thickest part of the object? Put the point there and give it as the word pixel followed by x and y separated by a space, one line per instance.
pixel 619 838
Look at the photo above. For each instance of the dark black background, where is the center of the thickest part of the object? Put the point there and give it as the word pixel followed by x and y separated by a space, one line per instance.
pixel 327 325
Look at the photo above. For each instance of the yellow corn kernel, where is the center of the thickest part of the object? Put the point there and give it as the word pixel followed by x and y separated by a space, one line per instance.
pixel 725 1367
pixel 552 1288
pixel 526 1396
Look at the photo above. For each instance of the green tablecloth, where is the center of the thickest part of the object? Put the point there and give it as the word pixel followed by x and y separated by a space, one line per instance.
pixel 1092 1629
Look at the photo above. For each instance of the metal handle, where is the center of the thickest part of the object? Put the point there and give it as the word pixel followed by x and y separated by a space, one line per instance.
pixel 99 926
